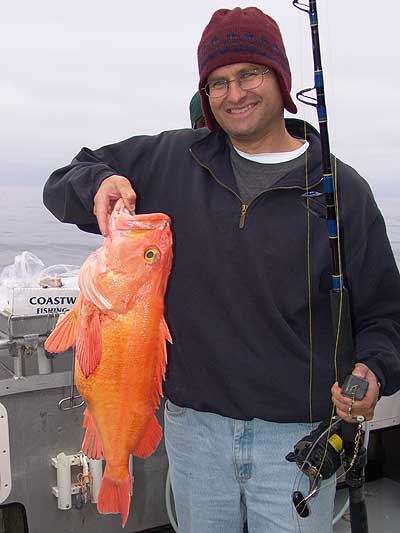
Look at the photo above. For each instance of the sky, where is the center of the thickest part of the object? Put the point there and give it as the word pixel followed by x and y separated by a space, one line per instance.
pixel 89 73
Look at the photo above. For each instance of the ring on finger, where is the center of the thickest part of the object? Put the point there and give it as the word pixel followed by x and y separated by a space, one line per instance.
pixel 349 414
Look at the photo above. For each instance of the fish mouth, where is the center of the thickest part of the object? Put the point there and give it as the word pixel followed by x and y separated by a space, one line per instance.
pixel 122 219
pixel 138 225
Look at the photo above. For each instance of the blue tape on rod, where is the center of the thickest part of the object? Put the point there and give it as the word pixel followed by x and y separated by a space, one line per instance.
pixel 322 116
pixel 332 228
pixel 328 183
pixel 337 282
pixel 313 19
pixel 319 79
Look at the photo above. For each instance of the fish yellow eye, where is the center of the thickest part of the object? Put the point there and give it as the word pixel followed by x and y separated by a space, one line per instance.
pixel 151 255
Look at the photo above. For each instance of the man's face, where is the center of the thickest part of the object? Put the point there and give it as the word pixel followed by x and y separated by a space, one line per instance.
pixel 247 115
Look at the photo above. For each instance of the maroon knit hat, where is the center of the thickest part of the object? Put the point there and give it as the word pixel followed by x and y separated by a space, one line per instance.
pixel 242 36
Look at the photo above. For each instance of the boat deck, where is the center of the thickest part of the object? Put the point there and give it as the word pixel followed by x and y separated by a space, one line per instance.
pixel 383 508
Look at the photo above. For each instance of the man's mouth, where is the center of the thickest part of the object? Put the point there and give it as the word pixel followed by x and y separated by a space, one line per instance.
pixel 240 110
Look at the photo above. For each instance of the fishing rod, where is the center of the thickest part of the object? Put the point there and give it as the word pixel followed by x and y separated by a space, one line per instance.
pixel 351 434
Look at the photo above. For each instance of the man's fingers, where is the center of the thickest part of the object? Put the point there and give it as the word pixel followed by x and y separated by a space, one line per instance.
pixel 102 212
pixel 346 417
pixel 120 187
pixel 368 415
pixel 129 198
pixel 364 407
pixel 348 410
pixel 111 189
pixel 127 194
pixel 361 371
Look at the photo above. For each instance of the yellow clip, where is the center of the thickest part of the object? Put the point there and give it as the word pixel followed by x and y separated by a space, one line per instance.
pixel 336 442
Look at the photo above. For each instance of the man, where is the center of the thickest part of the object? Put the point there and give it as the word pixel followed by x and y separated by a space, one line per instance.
pixel 249 369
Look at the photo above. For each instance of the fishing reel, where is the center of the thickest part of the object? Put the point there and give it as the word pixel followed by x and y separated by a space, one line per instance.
pixel 318 455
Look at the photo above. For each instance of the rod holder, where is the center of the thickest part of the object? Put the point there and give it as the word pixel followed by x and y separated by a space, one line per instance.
pixel 96 471
pixel 65 488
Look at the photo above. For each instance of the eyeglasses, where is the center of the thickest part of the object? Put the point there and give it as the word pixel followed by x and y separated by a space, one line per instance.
pixel 250 79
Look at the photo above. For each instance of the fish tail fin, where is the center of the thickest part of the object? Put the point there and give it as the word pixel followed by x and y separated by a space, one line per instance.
pixel 150 439
pixel 64 334
pixel 115 496
pixel 92 445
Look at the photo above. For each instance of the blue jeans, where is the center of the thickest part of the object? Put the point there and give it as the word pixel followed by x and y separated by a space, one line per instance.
pixel 224 471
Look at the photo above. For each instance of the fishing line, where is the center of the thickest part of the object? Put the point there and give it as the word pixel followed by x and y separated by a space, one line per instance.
pixel 331 86
pixel 310 326
pixel 348 450
pixel 338 477
pixel 340 268
pixel 310 309
pixel 337 270
pixel 301 473
pixel 332 129
pixel 338 332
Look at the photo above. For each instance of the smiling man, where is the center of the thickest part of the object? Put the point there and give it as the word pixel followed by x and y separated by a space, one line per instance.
pixel 246 101
pixel 249 372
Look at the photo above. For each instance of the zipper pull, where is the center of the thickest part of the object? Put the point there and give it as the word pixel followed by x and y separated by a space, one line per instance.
pixel 243 216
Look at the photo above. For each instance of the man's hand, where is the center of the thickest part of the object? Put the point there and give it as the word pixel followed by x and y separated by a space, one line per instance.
pixel 112 189
pixel 364 407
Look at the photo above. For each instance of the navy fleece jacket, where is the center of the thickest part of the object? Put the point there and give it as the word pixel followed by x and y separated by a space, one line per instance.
pixel 237 300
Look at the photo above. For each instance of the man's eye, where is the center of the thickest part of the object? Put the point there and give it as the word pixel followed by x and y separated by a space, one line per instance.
pixel 249 75
pixel 218 84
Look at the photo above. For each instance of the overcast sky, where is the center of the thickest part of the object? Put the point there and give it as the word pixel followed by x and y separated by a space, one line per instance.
pixel 90 72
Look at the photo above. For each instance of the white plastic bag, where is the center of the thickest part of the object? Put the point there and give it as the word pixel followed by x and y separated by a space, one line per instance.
pixel 60 271
pixel 24 272
pixel 59 276
pixel 29 271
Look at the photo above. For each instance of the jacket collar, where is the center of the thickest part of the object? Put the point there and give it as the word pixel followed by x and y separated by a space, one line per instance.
pixel 212 152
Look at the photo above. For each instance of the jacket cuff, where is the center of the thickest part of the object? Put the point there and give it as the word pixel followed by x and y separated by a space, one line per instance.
pixel 380 377
pixel 100 177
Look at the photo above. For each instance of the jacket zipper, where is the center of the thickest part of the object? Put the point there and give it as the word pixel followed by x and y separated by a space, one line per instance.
pixel 244 207
pixel 243 216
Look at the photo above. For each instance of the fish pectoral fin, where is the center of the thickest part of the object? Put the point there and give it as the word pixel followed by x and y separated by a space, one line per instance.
pixel 150 439
pixel 92 445
pixel 88 343
pixel 64 334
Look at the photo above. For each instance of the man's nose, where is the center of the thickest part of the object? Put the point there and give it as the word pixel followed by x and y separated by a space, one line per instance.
pixel 235 92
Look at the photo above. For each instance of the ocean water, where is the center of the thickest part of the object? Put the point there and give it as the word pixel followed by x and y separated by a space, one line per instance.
pixel 26 225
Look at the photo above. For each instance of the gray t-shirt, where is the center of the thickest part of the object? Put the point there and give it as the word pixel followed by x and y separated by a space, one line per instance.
pixel 254 178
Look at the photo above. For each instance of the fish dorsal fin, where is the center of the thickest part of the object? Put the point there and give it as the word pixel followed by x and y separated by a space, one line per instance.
pixel 88 342
pixel 165 329
pixel 64 334
pixel 161 364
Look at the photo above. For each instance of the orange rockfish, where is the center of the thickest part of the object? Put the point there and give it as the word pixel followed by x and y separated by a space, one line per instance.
pixel 117 326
